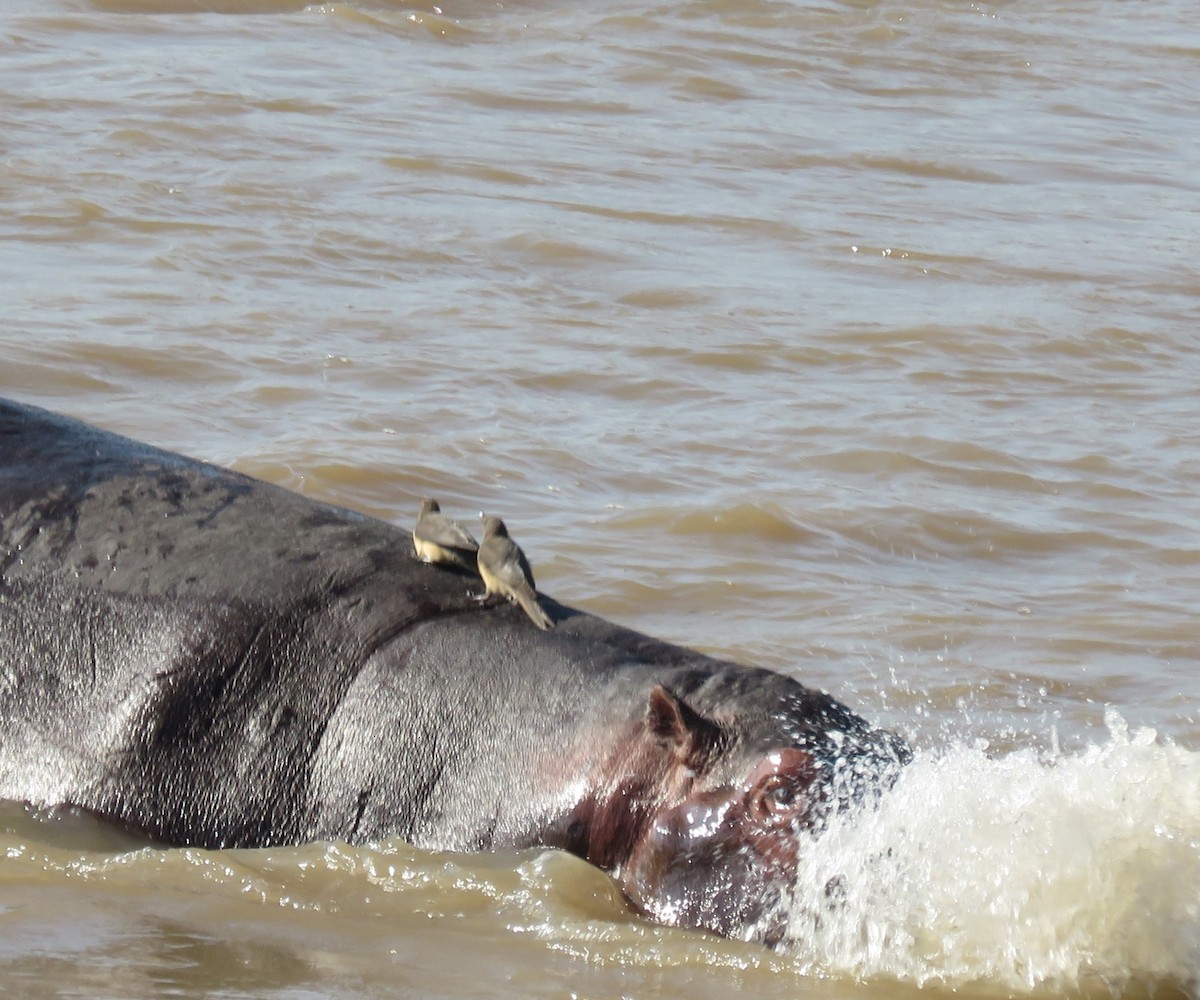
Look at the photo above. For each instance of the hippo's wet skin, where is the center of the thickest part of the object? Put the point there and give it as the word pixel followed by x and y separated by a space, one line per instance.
pixel 212 660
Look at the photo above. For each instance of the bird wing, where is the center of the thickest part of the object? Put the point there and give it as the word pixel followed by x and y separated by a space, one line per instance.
pixel 440 530
pixel 508 563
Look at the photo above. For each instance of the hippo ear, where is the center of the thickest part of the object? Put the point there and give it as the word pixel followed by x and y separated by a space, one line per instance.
pixel 678 726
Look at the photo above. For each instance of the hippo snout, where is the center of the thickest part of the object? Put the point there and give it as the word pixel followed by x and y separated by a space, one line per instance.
pixel 855 769
pixel 723 857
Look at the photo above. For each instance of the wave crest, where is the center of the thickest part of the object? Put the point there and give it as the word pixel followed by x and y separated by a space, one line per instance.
pixel 1018 870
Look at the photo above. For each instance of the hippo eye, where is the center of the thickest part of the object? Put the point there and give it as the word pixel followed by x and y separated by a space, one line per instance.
pixel 780 797
pixel 776 800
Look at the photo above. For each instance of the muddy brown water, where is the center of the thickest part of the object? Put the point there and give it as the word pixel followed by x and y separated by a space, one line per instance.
pixel 855 339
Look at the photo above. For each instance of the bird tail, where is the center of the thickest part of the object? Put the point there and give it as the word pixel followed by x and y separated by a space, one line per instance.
pixel 529 603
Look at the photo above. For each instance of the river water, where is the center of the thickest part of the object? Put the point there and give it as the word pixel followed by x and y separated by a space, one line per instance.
pixel 856 339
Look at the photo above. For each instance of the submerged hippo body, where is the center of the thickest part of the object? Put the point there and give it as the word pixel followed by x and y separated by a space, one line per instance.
pixel 215 661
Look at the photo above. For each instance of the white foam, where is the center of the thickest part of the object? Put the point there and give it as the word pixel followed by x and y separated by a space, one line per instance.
pixel 1015 870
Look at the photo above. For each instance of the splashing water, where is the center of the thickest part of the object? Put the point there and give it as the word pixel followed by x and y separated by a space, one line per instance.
pixel 1020 871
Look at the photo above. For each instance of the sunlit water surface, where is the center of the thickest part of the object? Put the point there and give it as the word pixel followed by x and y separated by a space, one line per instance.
pixel 854 339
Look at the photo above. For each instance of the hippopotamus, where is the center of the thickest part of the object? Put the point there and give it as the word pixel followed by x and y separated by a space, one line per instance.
pixel 207 659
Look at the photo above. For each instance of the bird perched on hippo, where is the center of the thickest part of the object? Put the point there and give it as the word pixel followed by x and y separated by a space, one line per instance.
pixel 500 562
pixel 215 661
pixel 506 573
pixel 438 539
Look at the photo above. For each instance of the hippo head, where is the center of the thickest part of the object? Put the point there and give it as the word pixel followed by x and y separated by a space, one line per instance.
pixel 747 783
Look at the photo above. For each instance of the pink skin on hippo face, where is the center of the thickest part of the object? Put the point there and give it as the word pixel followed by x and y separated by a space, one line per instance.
pixel 722 858
pixel 714 838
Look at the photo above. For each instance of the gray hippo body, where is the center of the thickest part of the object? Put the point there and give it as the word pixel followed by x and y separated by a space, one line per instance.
pixel 215 661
